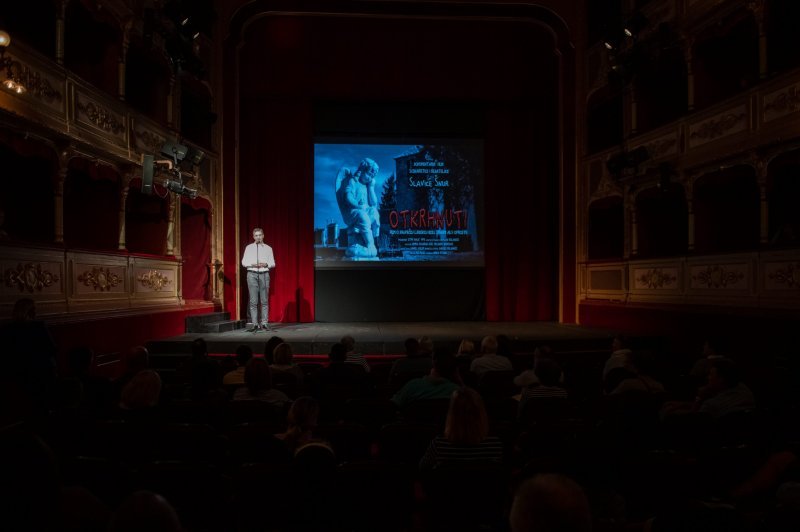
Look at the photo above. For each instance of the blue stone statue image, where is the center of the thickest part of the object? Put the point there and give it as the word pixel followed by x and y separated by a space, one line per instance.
pixel 358 203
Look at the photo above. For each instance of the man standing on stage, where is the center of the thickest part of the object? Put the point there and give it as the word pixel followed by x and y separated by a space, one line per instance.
pixel 258 259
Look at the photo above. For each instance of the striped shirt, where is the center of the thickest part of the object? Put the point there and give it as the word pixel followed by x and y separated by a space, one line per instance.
pixel 544 391
pixel 443 451
pixel 357 358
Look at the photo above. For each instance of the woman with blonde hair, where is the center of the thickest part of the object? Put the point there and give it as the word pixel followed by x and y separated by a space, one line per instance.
pixel 300 424
pixel 284 362
pixel 466 434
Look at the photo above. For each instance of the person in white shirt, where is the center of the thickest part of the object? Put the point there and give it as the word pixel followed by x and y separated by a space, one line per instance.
pixel 258 259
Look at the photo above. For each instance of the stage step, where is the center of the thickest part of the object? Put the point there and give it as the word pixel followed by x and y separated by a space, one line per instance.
pixel 197 322
pixel 224 326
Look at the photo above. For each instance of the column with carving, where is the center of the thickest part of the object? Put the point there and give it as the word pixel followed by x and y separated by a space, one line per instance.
pixel 58 189
pixel 688 43
pixel 170 243
pixel 122 60
pixel 629 237
pixel 123 202
pixel 761 178
pixel 171 102
pixel 61 16
pixel 633 105
pixel 688 187
pixel 757 7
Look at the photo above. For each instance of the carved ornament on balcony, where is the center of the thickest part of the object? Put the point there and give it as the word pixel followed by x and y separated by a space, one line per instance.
pixel 788 100
pixel 154 280
pixel 151 142
pixel 789 276
pixel 102 118
pixel 716 128
pixel 655 278
pixel 717 277
pixel 661 147
pixel 30 277
pixel 99 279
pixel 37 85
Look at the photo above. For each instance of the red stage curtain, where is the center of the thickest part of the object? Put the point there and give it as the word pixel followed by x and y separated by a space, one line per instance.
pixel 275 193
pixel 195 251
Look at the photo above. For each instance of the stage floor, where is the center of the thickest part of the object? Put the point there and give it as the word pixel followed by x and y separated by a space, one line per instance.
pixel 387 338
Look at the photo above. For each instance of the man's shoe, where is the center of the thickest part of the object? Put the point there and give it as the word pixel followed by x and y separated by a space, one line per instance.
pixel 265 327
pixel 253 328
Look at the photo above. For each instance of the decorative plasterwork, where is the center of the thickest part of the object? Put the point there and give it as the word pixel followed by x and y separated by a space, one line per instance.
pixel 101 117
pixel 147 141
pixel 782 102
pixel 606 187
pixel 655 278
pixel 662 146
pixel 785 275
pixel 721 125
pixel 154 280
pixel 100 279
pixel 38 86
pixel 30 277
pixel 718 277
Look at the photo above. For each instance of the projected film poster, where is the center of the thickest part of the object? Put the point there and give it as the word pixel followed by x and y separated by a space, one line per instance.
pixel 397 204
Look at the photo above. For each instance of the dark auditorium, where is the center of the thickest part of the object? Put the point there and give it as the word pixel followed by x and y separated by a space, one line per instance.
pixel 400 265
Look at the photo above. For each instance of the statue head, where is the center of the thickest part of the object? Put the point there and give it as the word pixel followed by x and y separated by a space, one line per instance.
pixel 367 171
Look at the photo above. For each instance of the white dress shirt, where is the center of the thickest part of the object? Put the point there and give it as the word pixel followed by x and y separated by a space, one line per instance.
pixel 258 253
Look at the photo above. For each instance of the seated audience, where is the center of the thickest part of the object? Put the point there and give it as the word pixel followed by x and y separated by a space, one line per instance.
pixel 145 510
pixel 352 356
pixel 284 362
pixel 269 348
pixel 440 383
pixel 712 350
pixel 528 377
pixel 301 422
pixel 142 392
pixel 550 503
pixel 243 355
pixel 620 354
pixel 202 373
pixel 338 375
pixel 135 360
pixel 641 379
pixel 725 393
pixel 489 360
pixel 546 384
pixel 466 434
pixel 258 385
pixel 96 392
pixel 414 364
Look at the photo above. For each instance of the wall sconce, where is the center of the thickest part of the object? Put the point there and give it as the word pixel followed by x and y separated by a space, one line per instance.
pixel 10 82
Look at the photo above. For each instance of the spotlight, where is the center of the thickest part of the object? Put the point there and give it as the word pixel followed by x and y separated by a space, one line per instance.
pixel 179 188
pixel 174 150
pixel 635 25
pixel 11 82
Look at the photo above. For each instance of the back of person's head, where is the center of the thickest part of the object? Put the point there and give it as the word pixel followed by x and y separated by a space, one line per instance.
pixel 79 360
pixel 136 359
pixel 550 503
pixel 548 372
pixel 348 342
pixel 727 370
pixel 467 422
pixel 199 348
pixel 444 363
pixel 269 348
pixel 303 413
pixel 489 345
pixel 243 354
pixel 466 347
pixel 145 510
pixel 283 354
pixel 411 346
pixel 644 362
pixel 620 341
pixel 338 353
pixel 715 345
pixel 24 310
pixel 142 391
pixel 426 346
pixel 257 376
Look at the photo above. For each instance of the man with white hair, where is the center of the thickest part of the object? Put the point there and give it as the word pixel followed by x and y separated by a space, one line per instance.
pixel 258 259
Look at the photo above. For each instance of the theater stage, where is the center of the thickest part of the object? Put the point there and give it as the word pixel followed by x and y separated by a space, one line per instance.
pixel 387 338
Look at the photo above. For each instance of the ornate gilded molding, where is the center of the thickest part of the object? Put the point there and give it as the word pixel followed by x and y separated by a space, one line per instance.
pixel 37 85
pixel 789 276
pixel 606 187
pixel 717 276
pixel 154 280
pixel 30 277
pixel 659 148
pixel 102 118
pixel 716 128
pixel 655 278
pixel 100 279
pixel 789 100
pixel 150 141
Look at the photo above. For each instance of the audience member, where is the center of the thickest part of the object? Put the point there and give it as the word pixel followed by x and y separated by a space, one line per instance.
pixel 135 360
pixel 414 364
pixel 201 372
pixel 550 503
pixel 142 392
pixel 528 376
pixel 713 349
pixel 725 393
pixel 440 383
pixel 269 348
pixel 546 384
pixel 145 510
pixel 284 362
pixel 301 422
pixel 620 355
pixel 327 382
pixel 258 385
pixel 352 356
pixel 641 379
pixel 489 360
pixel 466 434
pixel 244 354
